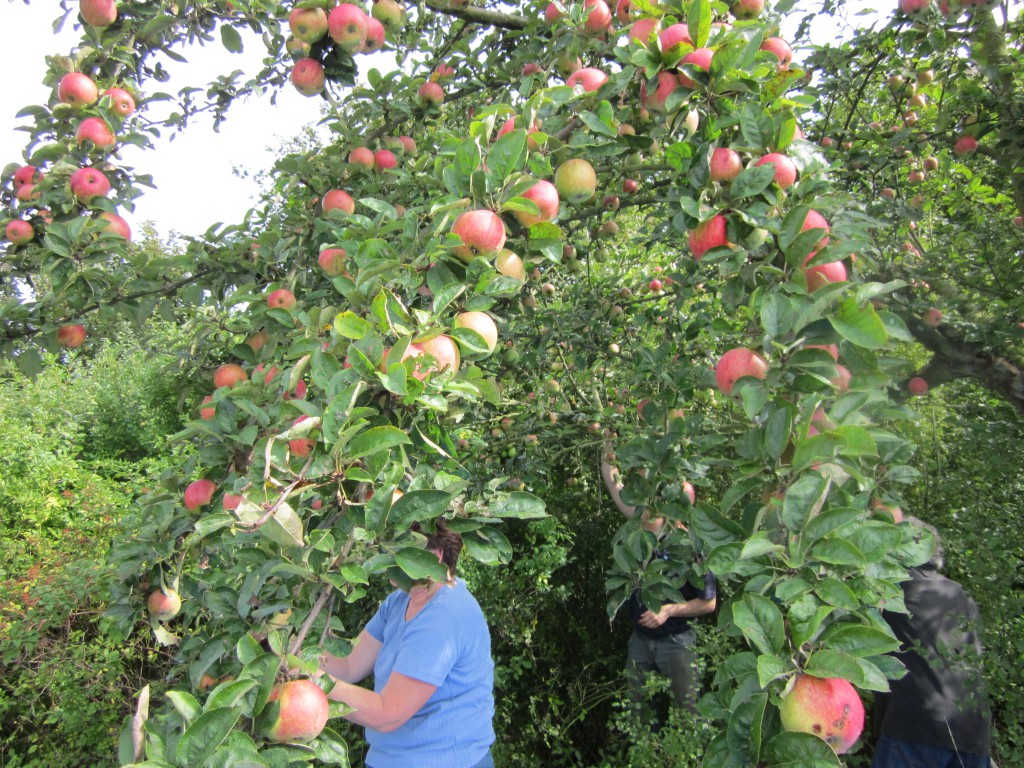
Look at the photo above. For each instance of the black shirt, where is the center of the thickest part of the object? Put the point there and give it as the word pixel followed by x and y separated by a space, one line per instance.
pixel 941 701
pixel 675 624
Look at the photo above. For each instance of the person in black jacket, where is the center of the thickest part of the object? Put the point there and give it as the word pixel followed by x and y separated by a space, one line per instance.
pixel 663 639
pixel 937 715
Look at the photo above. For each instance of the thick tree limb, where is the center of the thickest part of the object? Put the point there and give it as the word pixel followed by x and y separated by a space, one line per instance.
pixel 953 357
pixel 480 16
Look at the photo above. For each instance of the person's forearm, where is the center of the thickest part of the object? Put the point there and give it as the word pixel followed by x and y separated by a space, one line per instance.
pixel 337 667
pixel 696 607
pixel 368 707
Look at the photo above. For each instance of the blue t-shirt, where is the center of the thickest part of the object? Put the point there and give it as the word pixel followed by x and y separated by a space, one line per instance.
pixel 446 644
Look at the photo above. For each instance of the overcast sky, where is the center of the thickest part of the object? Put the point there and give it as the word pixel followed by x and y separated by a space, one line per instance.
pixel 196 186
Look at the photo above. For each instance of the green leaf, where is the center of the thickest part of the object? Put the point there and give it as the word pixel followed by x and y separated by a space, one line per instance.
pixel 507 155
pixel 351 326
pixel 791 749
pixel 227 694
pixel 859 640
pixel 829 663
pixel 804 500
pixel 186 705
pixel 759 544
pixel 805 618
pixel 769 668
pixel 859 325
pixel 488 545
pixel 777 315
pixel 776 432
pixel 331 749
pixel 416 506
pixel 375 440
pixel 761 622
pixel 231 39
pixel 836 593
pixel 203 736
pixel 838 552
pixel 518 505
pixel 698 22
pixel 752 181
pixel 420 564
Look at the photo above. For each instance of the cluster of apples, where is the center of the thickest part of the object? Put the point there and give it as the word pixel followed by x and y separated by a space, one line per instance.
pixel 348 25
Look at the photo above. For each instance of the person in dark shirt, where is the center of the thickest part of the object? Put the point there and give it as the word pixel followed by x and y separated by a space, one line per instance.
pixel 937 715
pixel 663 640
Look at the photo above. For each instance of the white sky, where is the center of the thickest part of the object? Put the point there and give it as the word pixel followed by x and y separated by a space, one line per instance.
pixel 196 186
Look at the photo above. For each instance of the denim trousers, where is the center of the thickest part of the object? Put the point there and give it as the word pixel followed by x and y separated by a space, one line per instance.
pixel 671 656
pixel 486 762
pixel 895 753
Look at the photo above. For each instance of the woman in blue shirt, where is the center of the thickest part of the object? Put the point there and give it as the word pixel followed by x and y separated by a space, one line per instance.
pixel 429 650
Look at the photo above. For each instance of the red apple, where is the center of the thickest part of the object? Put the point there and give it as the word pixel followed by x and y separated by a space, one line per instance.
pixel 301 446
pixel 96 130
pixel 347 25
pixel 384 160
pixel 842 379
pixel 545 195
pixel 552 13
pixel 629 186
pixel 965 146
pixel 308 77
pixel 199 493
pixel 932 318
pixel 375 37
pixel 71 336
pixel 643 29
pixel 228 375
pixel 19 232
pixel 87 183
pixel 482 233
pixel 598 17
pixel 445 352
pixel 725 164
pixel 361 157
pixel 116 225
pixel 510 264
pixel 783 52
pixel 26 175
pixel 667 83
pixel 332 261
pixel 676 34
pixel 829 708
pixel 589 77
pixel 303 712
pixel 625 11
pixel 308 24
pixel 408 145
pixel 482 323
pixel 412 351
pixel 121 101
pixel 532 68
pixel 701 58
pixel 208 413
pixel 430 95
pixel 820 275
pixel 815 220
pixel 163 605
pixel 338 199
pixel 282 298
pixel 443 72
pixel 390 13
pixel 743 10
pixel 78 90
pixel 231 501
pixel 710 233
pixel 915 8
pixel 917 386
pixel 785 169
pixel 258 340
pixel 576 180
pixel 98 13
pixel 737 363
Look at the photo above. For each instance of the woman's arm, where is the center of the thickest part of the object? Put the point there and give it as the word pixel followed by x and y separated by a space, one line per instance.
pixel 608 473
pixel 402 697
pixel 357 665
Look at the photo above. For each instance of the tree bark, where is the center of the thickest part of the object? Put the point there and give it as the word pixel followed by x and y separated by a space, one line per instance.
pixel 954 357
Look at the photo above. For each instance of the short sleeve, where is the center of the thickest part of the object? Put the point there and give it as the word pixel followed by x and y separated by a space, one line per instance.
pixel 375 626
pixel 710 586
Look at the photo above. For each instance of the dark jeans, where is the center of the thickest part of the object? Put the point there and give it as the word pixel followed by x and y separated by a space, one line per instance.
pixel 671 656
pixel 894 753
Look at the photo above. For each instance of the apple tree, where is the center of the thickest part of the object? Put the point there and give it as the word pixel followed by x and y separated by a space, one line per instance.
pixel 468 244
